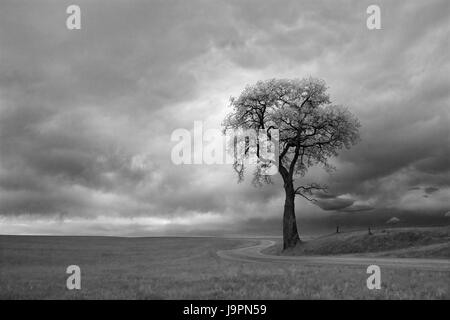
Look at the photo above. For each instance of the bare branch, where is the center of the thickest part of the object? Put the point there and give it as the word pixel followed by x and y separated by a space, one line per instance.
pixel 308 189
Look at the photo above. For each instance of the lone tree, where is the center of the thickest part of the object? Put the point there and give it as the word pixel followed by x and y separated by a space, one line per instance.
pixel 311 130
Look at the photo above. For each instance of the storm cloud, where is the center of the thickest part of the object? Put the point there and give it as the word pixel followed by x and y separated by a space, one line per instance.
pixel 86 116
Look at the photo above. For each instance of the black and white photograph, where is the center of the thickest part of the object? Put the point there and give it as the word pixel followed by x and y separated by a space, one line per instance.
pixel 224 154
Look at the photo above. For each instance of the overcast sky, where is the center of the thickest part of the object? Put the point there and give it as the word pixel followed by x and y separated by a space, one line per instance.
pixel 86 115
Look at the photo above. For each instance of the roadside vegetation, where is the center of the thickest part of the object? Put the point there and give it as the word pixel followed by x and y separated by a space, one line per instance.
pixel 432 242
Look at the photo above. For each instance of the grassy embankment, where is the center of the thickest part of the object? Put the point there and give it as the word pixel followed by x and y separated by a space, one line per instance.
pixel 392 242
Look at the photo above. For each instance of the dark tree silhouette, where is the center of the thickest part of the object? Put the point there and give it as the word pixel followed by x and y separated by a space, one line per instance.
pixel 311 130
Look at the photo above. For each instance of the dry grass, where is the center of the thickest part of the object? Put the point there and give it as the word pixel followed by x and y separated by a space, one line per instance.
pixel 186 268
pixel 395 242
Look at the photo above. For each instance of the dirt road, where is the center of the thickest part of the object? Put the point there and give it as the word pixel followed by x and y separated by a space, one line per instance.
pixel 253 254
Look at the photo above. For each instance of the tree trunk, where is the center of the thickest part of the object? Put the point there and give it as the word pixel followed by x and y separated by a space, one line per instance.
pixel 290 233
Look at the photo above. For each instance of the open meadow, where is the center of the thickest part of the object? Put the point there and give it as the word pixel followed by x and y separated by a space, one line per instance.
pixel 34 267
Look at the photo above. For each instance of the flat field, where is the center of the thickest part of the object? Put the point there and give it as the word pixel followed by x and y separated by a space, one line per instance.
pixel 34 267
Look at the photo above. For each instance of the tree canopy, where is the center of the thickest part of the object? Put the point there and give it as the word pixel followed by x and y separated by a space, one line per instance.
pixel 311 129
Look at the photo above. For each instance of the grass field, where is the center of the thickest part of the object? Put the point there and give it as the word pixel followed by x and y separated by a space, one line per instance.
pixel 430 242
pixel 33 267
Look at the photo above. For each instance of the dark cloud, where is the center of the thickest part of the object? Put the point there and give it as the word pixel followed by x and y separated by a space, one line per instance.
pixel 357 208
pixel 324 195
pixel 334 204
pixel 86 116
pixel 431 190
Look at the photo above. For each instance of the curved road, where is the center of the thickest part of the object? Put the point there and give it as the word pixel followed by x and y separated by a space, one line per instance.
pixel 253 254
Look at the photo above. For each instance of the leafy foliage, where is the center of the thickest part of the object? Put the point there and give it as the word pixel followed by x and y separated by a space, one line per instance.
pixel 311 129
